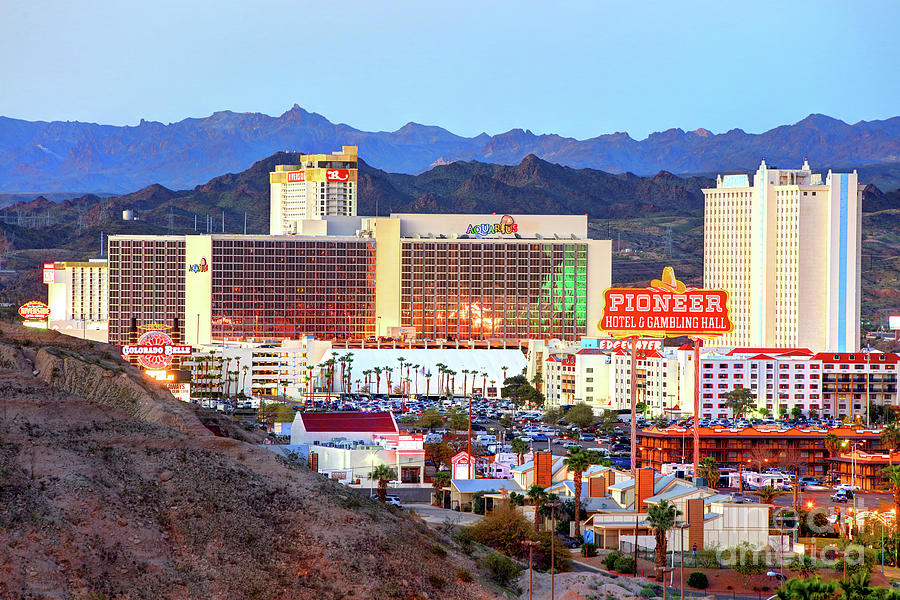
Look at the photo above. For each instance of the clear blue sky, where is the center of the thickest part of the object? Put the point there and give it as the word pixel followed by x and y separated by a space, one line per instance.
pixel 579 69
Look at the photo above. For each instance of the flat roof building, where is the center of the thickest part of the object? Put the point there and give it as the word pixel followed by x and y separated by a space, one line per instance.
pixel 460 277
pixel 787 248
pixel 321 185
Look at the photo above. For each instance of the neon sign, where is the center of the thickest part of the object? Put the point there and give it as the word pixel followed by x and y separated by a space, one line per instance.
pixel 155 350
pixel 666 308
pixel 506 226
pixel 202 267
pixel 34 310
pixel 296 176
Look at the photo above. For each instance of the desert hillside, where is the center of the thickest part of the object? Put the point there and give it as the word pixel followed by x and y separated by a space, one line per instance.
pixel 110 488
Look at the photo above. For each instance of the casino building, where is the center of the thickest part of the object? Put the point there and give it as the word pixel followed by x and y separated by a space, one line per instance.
pixel 433 277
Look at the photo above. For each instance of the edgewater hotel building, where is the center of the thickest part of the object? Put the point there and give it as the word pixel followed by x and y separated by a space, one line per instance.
pixel 432 277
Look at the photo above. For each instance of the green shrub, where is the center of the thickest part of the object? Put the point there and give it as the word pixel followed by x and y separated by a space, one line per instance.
pixel 588 549
pixel 501 569
pixel 698 580
pixel 625 564
pixel 463 575
pixel 436 581
pixel 609 561
pixel 648 592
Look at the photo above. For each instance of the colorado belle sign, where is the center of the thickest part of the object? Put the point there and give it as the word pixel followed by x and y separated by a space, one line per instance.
pixel 155 350
pixel 666 308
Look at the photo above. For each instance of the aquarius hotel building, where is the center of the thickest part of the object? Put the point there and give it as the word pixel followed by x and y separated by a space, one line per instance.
pixel 462 277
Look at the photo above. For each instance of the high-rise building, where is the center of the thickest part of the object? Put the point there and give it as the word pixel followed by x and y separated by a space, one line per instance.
pixel 321 185
pixel 77 294
pixel 429 277
pixel 787 248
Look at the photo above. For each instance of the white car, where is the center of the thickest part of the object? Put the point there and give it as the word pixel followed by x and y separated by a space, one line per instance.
pixel 568 445
pixel 389 499
pixel 848 487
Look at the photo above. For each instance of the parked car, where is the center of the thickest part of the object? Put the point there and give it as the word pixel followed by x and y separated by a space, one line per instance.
pixel 810 481
pixel 848 487
pixel 389 499
pixel 587 438
pixel 842 496
pixel 568 445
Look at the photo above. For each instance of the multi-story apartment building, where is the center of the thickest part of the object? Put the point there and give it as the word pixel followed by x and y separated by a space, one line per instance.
pixel 787 248
pixel 823 384
pixel 321 185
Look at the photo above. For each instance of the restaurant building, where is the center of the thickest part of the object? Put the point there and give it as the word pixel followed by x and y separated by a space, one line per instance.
pixel 434 277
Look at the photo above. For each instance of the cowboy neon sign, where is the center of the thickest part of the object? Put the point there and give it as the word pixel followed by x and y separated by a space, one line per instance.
pixel 506 226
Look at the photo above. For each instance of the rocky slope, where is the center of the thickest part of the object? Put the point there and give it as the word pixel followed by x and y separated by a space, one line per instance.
pixel 109 488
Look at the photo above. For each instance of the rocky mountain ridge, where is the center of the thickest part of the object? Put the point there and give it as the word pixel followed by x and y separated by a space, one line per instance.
pixel 59 156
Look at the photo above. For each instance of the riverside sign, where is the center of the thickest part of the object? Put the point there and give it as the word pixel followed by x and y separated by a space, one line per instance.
pixel 666 308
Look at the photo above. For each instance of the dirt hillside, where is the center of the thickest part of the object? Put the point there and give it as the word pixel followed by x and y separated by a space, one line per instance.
pixel 110 488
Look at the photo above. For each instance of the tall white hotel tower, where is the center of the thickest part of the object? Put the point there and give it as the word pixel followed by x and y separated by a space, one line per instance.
pixel 787 248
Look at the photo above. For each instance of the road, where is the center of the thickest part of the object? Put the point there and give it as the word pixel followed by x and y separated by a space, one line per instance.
pixel 434 515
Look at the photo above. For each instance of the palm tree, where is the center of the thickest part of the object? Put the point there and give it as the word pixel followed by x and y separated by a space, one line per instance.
pixel 892 481
pixel 806 589
pixel 856 587
pixel 661 518
pixel 709 469
pixel 439 481
pixel 493 381
pixel 452 375
pixel 465 373
pixel 388 371
pixel 520 447
pixel 577 462
pixel 378 371
pixel 415 369
pixel 244 379
pixel 767 493
pixel 537 495
pixel 890 439
pixel 483 384
pixel 833 444
pixel 382 474
pixel 402 361
pixel 440 380
pixel 504 369
pixel 427 384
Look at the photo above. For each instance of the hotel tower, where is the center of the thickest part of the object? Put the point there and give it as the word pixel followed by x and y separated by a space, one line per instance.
pixel 787 248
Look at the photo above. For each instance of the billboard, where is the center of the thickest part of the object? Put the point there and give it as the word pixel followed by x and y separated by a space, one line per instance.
pixel 297 176
pixel 337 174
pixel 48 272
pixel 34 310
pixel 894 322
pixel 155 350
pixel 666 308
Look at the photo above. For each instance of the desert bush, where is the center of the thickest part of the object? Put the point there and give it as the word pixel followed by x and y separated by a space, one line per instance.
pixel 501 569
pixel 588 549
pixel 463 575
pixel 698 580
pixel 436 581
pixel 503 530
pixel 609 561
pixel 625 564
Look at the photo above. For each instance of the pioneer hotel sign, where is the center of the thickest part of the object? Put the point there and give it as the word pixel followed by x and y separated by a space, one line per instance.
pixel 666 308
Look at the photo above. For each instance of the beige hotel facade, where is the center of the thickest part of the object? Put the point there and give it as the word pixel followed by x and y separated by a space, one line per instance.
pixel 786 245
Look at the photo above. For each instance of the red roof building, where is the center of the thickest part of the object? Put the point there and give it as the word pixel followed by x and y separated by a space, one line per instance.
pixel 322 426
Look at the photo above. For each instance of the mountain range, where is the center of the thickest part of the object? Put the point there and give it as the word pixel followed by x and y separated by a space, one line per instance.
pixel 44 157
pixel 533 186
